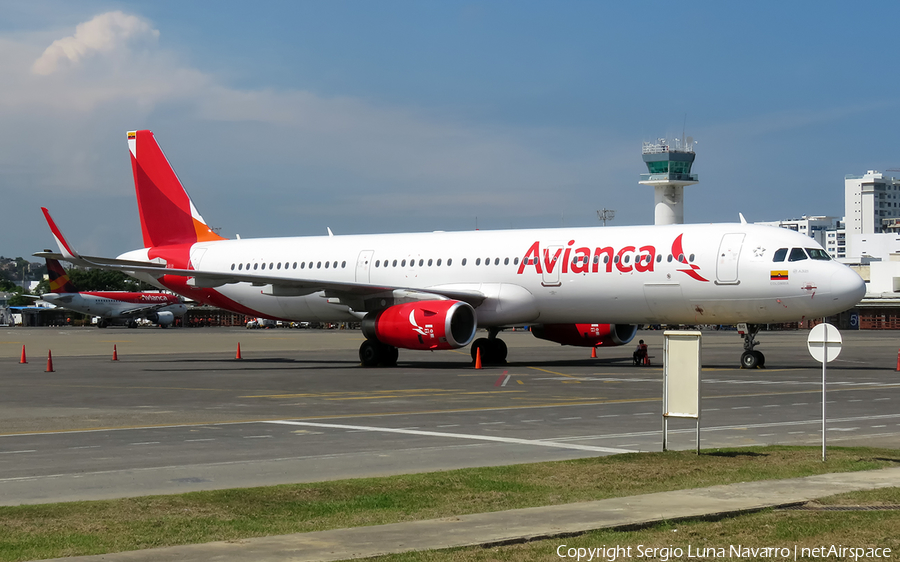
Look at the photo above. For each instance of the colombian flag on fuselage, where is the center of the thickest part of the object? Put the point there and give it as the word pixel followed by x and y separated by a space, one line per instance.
pixel 779 275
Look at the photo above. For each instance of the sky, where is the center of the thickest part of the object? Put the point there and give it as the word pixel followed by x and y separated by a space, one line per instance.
pixel 286 118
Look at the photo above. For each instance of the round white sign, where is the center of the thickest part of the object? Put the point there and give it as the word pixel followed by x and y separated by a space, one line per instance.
pixel 824 338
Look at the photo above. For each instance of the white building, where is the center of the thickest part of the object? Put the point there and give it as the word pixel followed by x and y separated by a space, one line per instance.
pixel 872 207
pixel 815 227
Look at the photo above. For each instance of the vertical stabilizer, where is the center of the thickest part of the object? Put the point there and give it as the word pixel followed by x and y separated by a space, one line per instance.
pixel 168 215
pixel 59 279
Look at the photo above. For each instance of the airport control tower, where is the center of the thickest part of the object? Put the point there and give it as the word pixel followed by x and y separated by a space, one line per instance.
pixel 669 166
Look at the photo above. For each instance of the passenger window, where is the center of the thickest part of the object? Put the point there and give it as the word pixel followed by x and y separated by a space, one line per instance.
pixel 669 259
pixel 817 254
pixel 659 258
pixel 319 265
pixel 797 254
pixel 395 263
pixel 478 261
pixel 255 265
pixel 464 261
pixel 515 261
pixel 334 265
pixel 270 265
pixel 691 258
pixel 439 262
pixel 505 261
pixel 449 261
pixel 303 265
pixel 421 263
pixel 377 263
pixel 780 253
pixel 403 263
pixel 429 262
pixel 627 258
pixel 295 265
pixel 326 265
pixel 240 266
pixel 279 265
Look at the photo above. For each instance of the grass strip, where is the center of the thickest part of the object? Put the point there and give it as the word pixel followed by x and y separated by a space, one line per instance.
pixel 714 540
pixel 98 527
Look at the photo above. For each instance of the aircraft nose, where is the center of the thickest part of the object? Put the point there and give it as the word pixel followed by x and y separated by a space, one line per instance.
pixel 847 287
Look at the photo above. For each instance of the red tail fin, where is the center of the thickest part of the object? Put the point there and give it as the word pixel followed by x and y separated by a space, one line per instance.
pixel 167 214
pixel 59 279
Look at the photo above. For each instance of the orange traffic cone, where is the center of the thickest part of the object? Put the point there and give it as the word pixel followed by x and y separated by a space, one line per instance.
pixel 22 360
pixel 49 362
pixel 238 355
pixel 593 352
pixel 478 358
pixel 115 353
pixel 898 357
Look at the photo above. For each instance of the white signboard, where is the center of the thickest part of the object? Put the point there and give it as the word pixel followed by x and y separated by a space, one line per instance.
pixel 824 342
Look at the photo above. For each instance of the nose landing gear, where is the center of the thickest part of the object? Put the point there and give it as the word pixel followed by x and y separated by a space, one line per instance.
pixel 751 359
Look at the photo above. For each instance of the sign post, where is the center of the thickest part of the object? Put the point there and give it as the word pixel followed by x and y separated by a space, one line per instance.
pixel 681 380
pixel 824 344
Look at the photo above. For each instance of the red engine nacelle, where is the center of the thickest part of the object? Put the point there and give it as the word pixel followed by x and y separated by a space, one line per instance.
pixel 586 335
pixel 423 325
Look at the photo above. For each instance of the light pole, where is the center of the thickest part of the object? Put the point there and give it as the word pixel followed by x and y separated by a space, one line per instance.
pixel 606 215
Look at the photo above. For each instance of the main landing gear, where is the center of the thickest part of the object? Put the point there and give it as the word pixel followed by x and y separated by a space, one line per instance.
pixel 751 359
pixel 373 353
pixel 493 349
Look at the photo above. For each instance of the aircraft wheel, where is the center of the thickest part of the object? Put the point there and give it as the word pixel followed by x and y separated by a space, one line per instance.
pixel 102 324
pixel 132 324
pixel 390 356
pixel 484 345
pixel 499 352
pixel 761 359
pixel 370 353
pixel 750 359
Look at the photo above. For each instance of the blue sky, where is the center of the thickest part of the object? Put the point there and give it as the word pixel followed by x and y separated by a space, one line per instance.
pixel 284 118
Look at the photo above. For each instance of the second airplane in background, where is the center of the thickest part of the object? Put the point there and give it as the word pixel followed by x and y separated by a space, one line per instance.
pixel 574 286
pixel 113 307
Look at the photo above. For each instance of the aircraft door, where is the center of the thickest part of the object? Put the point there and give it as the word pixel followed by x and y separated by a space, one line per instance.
pixel 551 263
pixel 727 259
pixel 364 265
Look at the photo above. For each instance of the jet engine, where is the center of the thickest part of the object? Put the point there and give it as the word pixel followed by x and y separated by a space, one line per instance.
pixel 164 318
pixel 437 324
pixel 586 335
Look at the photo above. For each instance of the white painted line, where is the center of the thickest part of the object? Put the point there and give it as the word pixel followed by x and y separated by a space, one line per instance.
pixel 800 404
pixel 771 405
pixel 257 437
pixel 857 400
pixel 494 438
pixel 741 408
pixel 488 423
pixel 795 432
pixel 609 416
pixel 195 440
pixel 644 414
pixel 710 409
pixel 533 421
pixel 880 399
pixel 17 452
pixel 450 425
pixel 86 447
pixel 765 435
pixel 146 443
pixel 879 426
pixel 506 380
pixel 566 419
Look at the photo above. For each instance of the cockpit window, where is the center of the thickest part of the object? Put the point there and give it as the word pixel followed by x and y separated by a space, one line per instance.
pixel 818 254
pixel 797 254
pixel 780 253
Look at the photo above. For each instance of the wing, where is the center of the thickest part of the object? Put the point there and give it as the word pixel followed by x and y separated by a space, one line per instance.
pixel 355 295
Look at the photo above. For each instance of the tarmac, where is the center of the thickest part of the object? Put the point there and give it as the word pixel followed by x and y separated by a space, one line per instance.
pixel 518 525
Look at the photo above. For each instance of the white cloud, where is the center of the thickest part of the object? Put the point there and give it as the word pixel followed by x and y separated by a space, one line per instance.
pixel 104 34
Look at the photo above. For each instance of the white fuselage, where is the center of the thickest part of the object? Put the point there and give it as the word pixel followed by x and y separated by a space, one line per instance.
pixel 570 275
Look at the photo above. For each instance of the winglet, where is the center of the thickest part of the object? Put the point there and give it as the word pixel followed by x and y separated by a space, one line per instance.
pixel 743 220
pixel 64 247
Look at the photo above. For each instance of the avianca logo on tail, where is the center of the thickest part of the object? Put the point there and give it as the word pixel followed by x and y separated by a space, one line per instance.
pixel 586 260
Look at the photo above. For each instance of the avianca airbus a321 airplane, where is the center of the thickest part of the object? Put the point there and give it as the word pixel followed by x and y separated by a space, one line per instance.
pixel 113 307
pixel 575 286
